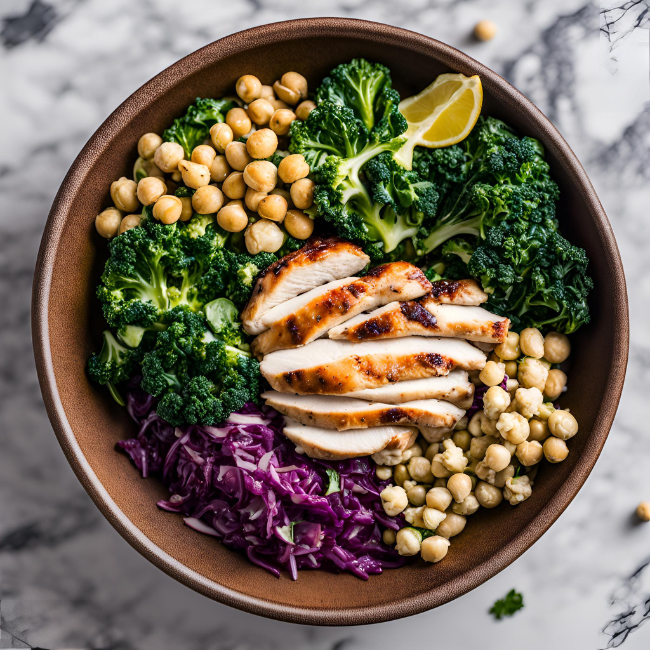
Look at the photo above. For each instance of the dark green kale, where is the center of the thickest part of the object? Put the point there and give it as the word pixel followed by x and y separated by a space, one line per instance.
pixel 507 606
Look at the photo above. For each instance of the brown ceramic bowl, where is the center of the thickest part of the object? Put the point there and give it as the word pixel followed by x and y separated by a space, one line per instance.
pixel 66 325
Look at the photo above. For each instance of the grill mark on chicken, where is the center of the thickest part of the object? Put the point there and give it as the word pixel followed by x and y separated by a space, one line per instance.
pixel 415 312
pixel 457 292
pixel 500 330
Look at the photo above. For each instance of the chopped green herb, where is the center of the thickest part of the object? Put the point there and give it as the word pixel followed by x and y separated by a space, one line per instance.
pixel 507 606
pixel 334 481
pixel 425 532
pixel 286 532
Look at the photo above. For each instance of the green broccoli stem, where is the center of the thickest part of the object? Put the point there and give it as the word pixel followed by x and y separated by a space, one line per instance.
pixel 115 394
pixel 444 232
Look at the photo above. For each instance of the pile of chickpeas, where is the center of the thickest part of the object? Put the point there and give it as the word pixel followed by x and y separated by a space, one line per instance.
pixel 231 179
pixel 438 483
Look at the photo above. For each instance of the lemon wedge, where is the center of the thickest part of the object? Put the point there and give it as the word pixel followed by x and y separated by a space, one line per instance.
pixel 443 114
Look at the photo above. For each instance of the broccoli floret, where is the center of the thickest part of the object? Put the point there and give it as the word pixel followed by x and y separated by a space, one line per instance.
pixel 192 129
pixel 459 246
pixel 357 86
pixel 222 316
pixel 113 365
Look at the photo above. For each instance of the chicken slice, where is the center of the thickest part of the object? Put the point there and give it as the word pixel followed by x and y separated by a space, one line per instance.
pixel 454 387
pixel 343 413
pixel 320 260
pixel 328 444
pixel 411 318
pixel 309 316
pixel 335 367
pixel 457 292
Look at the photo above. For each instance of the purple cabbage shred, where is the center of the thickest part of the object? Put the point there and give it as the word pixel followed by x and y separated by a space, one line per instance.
pixel 244 483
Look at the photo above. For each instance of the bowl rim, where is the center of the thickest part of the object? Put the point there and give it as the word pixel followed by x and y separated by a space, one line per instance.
pixel 71 185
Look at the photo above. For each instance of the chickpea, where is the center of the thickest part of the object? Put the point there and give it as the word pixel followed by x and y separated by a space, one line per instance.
pixel 495 401
pixel 287 95
pixel 150 189
pixel 557 347
pixel 253 198
pixel 420 469
pixel 468 506
pixel 511 386
pixel 263 235
pixel 147 145
pixel 509 349
pixel 168 155
pixel 237 156
pixel 417 495
pixel 262 144
pixel 302 193
pixel 239 122
pixel 207 199
pixel 408 541
pixel 488 495
pixel 481 424
pixel 130 221
pixel 204 154
pixel 187 211
pixel 414 450
pixel 168 209
pixel 234 187
pixel 221 135
pixel 388 537
pixel 260 111
pixel 194 175
pixel 400 474
pixel 532 374
pixel 304 109
pixel 177 177
pixel 562 424
pixel 492 373
pixel 478 446
pixel 493 357
pixel 295 81
pixel 485 30
pixel 643 511
pixel 278 104
pixel 267 92
pixel 513 427
pixel 471 463
pixel 248 87
pixel 298 224
pixel 434 548
pixel 383 472
pixel 108 222
pixel 545 411
pixel 284 194
pixel 219 169
pixel 124 194
pixel 531 342
pixel 538 430
pixel 529 452
pixel 459 485
pixel 431 518
pixel 555 383
pixel 451 525
pixel 497 457
pixel 555 450
pixel 261 175
pixel 511 368
pixel 462 439
pixel 273 207
pixel 439 498
pixel 393 500
pixel 440 482
pixel 502 476
pixel 431 451
pixel 292 168
pixel 232 217
pixel 438 469
pixel 281 121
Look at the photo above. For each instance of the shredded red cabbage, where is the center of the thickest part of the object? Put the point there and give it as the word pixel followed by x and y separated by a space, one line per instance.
pixel 244 483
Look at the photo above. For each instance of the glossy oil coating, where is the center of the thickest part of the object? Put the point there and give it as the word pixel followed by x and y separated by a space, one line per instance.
pixel 66 326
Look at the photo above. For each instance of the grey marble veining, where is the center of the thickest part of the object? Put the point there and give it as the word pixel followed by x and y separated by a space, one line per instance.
pixel 67 580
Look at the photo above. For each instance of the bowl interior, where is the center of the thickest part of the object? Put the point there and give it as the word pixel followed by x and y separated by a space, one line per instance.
pixel 67 324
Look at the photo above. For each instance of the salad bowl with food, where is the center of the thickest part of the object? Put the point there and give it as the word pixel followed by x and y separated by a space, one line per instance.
pixel 329 321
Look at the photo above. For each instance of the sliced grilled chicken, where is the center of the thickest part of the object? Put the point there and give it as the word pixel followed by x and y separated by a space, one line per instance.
pixel 336 367
pixel 320 260
pixel 411 318
pixel 457 292
pixel 343 413
pixel 328 444
pixel 309 316
pixel 454 387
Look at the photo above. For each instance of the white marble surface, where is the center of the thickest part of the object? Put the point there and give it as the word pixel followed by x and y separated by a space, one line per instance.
pixel 67 580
